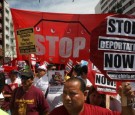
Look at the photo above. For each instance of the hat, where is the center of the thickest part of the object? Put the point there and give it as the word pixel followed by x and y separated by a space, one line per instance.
pixel 27 75
pixel 42 67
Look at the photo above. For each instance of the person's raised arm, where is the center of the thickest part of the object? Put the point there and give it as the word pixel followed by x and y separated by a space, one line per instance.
pixel 127 94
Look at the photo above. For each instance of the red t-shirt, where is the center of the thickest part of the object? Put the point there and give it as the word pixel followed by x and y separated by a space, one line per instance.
pixel 28 103
pixel 88 110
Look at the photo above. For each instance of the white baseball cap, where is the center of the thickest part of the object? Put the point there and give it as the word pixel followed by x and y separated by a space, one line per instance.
pixel 42 67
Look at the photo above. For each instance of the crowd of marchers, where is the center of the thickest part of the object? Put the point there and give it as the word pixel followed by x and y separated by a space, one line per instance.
pixel 27 92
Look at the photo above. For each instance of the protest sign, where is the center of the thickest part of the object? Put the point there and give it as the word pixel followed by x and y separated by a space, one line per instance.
pixel 113 47
pixel 26 41
pixel 56 81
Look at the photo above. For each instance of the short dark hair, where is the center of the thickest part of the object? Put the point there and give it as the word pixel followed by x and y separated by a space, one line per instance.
pixel 82 83
pixel 77 69
pixel 27 75
pixel 84 69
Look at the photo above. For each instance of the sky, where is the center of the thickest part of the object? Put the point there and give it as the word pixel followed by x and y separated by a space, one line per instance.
pixel 59 6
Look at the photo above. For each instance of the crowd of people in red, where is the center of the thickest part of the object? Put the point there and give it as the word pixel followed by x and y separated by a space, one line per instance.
pixel 28 93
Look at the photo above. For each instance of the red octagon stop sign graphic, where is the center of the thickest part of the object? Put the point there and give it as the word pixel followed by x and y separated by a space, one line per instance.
pixel 59 41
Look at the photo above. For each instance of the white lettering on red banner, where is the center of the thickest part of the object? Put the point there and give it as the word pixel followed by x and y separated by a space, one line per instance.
pixel 121 26
pixel 67 46
pixel 100 80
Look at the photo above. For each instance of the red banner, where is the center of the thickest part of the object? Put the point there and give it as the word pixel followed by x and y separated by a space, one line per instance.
pixel 59 37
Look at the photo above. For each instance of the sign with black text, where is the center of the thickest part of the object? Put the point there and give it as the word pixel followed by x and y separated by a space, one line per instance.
pixel 26 41
pixel 113 40
pixel 100 82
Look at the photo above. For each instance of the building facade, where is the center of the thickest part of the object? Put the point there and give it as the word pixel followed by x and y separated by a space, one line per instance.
pixel 7 33
pixel 105 6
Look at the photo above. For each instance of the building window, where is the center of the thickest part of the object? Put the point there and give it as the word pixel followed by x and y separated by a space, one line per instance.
pixel 7 46
pixel 131 11
pixel 7 37
pixel 12 41
pixel 128 4
pixel 7 28
pixel 105 10
pixel 7 11
pixel 122 1
pixel 112 3
pixel 7 19
pixel 11 33
pixel 101 1
pixel 105 4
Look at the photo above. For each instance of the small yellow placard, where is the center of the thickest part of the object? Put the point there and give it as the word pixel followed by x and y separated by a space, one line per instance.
pixel 26 41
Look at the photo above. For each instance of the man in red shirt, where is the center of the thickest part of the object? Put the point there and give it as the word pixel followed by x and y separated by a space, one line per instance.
pixel 74 96
pixel 27 99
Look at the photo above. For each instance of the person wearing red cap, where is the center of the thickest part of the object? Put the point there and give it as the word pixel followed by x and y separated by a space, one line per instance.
pixel 28 99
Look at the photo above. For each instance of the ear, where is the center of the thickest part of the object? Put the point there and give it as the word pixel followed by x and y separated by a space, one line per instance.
pixel 85 94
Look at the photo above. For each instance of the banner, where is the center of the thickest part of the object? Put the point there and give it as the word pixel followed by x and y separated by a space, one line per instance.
pixel 59 37
pixel 113 47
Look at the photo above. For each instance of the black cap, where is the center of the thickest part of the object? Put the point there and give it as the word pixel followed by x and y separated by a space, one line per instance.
pixel 27 75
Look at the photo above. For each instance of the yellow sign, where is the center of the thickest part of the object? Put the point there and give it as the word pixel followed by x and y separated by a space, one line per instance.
pixel 26 41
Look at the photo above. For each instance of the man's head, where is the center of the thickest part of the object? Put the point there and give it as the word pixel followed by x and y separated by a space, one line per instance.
pixel 41 70
pixel 84 71
pixel 13 75
pixel 74 95
pixel 76 70
pixel 27 80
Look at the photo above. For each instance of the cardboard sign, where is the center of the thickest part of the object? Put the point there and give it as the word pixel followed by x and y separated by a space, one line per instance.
pixel 113 47
pixel 26 41
pixel 56 81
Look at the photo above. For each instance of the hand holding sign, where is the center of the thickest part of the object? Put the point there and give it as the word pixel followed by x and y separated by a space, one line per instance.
pixel 126 93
